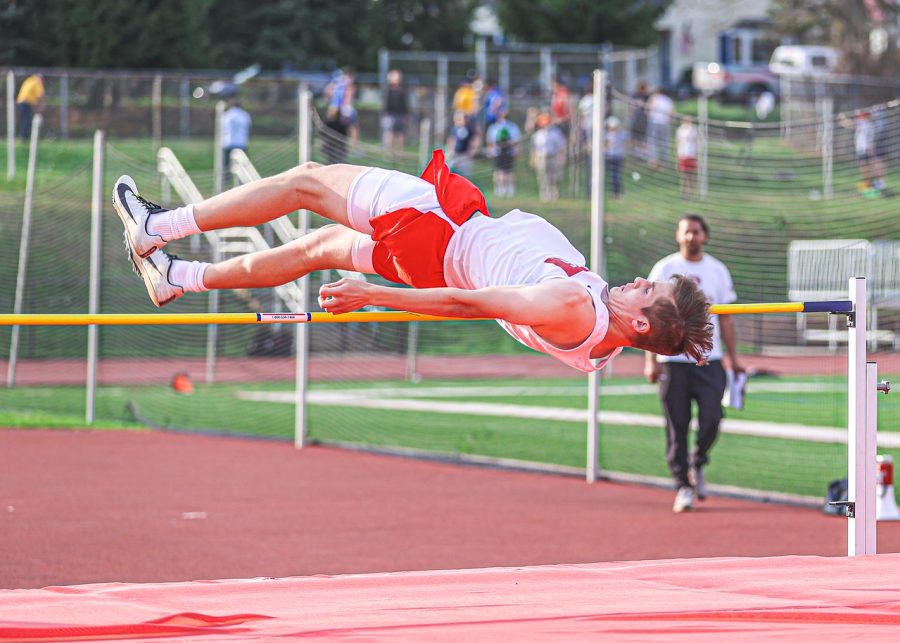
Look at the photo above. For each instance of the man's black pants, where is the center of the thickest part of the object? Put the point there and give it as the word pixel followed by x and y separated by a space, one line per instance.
pixel 679 385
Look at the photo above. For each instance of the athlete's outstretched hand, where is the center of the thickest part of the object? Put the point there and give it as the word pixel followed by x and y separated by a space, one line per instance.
pixel 345 296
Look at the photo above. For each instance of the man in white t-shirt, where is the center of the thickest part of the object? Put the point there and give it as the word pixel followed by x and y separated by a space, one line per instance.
pixel 432 233
pixel 680 380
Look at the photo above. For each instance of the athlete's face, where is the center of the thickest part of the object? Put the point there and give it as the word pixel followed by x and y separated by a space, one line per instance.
pixel 628 301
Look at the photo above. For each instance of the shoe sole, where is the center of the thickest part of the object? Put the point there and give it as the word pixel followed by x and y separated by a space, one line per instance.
pixel 139 268
pixel 125 216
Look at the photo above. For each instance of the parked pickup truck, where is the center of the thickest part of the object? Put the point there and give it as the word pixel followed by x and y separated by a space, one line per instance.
pixel 733 83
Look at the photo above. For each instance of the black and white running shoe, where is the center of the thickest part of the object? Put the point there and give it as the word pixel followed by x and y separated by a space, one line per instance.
pixel 134 211
pixel 154 270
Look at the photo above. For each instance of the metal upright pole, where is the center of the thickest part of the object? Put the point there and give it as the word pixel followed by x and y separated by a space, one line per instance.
pixel 24 241
pixel 156 116
pixel 384 64
pixel 703 142
pixel 827 146
pixel 861 441
pixel 440 99
pixel 185 120
pixel 217 147
pixel 301 337
pixel 10 126
pixel 597 198
pixel 94 275
pixel 547 70
pixel 424 142
pixel 64 106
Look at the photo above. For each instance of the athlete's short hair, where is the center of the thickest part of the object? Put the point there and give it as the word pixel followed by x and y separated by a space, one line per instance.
pixel 680 324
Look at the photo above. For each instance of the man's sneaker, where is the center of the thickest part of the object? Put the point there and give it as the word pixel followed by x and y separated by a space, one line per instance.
pixel 684 500
pixel 154 270
pixel 698 480
pixel 135 211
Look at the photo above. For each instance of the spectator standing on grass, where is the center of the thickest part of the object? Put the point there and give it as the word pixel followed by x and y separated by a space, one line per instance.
pixel 548 154
pixel 465 99
pixel 681 380
pixel 462 143
pixel 396 114
pixel 686 151
pixel 561 107
pixel 614 151
pixel 340 115
pixel 494 103
pixel 660 109
pixel 503 146
pixel 637 124
pixel 235 133
pixel 871 169
pixel 29 101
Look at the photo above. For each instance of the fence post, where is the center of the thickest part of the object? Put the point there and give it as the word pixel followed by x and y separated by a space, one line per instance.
pixel 598 185
pixel 212 330
pixel 384 63
pixel 185 107
pixel 503 73
pixel 440 99
pixel 481 57
pixel 424 142
pixel 24 241
pixel 94 275
pixel 547 71
pixel 827 117
pixel 703 142
pixel 157 112
pixel 10 126
pixel 301 332
pixel 64 106
pixel 217 148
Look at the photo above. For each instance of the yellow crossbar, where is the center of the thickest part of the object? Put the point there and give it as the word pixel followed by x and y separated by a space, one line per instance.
pixel 158 319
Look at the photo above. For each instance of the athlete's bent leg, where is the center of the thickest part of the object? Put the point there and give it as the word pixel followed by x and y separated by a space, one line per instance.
pixel 329 247
pixel 322 189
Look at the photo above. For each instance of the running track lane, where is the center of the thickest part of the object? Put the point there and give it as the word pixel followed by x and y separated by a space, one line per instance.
pixel 136 506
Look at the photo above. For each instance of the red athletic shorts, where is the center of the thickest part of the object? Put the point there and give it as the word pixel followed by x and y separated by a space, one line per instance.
pixel 687 164
pixel 410 244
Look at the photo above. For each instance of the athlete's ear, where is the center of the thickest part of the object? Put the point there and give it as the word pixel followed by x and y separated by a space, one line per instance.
pixel 641 325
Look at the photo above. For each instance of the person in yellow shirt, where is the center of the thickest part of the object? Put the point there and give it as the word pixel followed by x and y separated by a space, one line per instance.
pixel 29 100
pixel 465 99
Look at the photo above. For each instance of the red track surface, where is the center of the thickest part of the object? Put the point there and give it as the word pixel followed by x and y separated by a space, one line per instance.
pixel 90 506
pixel 121 372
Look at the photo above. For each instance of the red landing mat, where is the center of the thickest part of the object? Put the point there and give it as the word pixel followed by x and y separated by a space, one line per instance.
pixel 734 599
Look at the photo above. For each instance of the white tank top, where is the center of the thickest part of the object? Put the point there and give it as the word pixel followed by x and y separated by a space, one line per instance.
pixel 513 250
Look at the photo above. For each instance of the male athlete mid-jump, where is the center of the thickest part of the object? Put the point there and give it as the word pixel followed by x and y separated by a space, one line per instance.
pixel 432 233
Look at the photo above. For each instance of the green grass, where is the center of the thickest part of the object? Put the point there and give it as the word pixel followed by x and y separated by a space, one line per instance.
pixel 788 466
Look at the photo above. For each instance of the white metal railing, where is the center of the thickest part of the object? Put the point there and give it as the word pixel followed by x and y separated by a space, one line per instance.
pixel 232 240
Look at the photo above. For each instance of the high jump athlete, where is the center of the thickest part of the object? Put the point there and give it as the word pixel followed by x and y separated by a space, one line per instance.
pixel 432 233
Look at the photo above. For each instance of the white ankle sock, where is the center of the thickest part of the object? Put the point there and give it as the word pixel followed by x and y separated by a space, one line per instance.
pixel 174 224
pixel 188 275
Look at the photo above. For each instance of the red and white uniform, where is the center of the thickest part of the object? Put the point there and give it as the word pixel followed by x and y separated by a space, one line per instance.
pixel 431 235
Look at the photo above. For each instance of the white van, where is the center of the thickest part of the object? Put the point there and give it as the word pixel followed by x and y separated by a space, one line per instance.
pixel 803 60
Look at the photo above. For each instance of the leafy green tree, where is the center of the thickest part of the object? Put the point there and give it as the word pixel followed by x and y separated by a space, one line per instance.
pixel 181 34
pixel 326 34
pixel 623 22
pixel 104 33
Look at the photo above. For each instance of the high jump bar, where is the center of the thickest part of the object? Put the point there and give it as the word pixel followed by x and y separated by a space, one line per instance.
pixel 171 319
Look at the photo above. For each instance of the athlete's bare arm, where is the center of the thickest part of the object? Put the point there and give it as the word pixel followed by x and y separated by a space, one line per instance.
pixel 561 311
